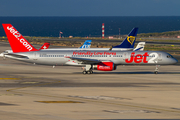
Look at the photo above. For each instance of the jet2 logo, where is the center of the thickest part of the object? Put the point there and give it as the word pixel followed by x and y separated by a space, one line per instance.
pixel 19 37
pixel 142 58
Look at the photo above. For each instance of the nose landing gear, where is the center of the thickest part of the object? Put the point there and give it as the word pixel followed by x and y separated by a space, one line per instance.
pixel 157 69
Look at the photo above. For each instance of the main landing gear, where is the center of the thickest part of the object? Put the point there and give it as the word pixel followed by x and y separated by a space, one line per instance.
pixel 87 70
pixel 157 69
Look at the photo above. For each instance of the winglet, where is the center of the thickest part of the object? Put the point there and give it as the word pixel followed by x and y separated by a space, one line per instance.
pixel 17 42
pixel 130 40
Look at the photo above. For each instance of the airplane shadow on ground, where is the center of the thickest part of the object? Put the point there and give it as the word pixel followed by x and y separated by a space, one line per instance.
pixel 130 73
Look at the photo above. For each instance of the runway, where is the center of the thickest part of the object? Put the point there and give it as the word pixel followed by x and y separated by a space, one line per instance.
pixel 131 92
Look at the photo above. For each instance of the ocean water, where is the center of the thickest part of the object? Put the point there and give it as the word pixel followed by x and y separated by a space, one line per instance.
pixel 89 26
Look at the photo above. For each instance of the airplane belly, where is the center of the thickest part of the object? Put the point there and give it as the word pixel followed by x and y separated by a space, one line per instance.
pixel 50 61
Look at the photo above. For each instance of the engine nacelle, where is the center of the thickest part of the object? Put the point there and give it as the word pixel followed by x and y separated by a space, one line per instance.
pixel 105 66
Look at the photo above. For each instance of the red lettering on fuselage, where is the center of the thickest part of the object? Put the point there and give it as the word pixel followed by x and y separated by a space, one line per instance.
pixel 138 58
pixel 94 53
pixel 145 57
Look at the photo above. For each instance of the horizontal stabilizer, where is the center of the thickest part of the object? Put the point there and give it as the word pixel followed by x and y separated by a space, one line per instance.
pixel 17 56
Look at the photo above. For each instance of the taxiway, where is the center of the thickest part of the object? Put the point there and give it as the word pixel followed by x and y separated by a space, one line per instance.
pixel 40 92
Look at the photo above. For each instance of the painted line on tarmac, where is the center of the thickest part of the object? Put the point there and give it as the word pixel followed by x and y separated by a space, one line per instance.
pixel 58 102
pixel 29 82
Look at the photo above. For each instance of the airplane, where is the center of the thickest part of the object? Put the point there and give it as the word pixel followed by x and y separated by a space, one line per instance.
pixel 90 60
pixel 140 46
pixel 45 46
pixel 86 45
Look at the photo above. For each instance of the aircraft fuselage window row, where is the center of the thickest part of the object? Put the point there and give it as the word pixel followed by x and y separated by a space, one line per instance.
pixel 51 56
pixel 92 56
pixel 142 56
pixel 80 56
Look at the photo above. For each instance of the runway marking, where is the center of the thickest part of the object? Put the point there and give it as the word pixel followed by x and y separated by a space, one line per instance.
pixel 10 79
pixel 29 82
pixel 58 101
pixel 130 111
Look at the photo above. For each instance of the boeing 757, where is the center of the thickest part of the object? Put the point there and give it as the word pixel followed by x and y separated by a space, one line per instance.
pixel 103 60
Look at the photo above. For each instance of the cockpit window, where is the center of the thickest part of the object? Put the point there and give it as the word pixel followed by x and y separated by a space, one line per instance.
pixel 169 56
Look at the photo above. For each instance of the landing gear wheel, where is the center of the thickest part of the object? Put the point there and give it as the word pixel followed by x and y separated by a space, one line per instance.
pixel 155 72
pixel 157 69
pixel 91 72
pixel 84 72
pixel 88 72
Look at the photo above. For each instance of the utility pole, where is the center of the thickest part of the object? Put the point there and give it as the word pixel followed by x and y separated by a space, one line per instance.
pixel 60 34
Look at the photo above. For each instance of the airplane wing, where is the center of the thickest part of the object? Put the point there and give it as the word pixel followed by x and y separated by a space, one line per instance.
pixel 85 60
pixel 17 56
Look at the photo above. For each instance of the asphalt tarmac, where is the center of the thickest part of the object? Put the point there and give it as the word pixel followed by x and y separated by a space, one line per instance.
pixel 29 92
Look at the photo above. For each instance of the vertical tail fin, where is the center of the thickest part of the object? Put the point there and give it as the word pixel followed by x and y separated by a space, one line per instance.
pixel 140 46
pixel 17 42
pixel 87 44
pixel 130 40
pixel 45 46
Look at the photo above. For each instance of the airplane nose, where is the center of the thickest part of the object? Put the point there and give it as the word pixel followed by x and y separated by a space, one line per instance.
pixel 174 61
pixel 1 55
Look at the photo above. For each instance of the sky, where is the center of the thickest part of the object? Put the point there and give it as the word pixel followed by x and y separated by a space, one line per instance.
pixel 90 8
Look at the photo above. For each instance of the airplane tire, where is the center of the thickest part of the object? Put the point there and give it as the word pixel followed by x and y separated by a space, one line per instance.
pixel 91 72
pixel 155 72
pixel 88 72
pixel 84 72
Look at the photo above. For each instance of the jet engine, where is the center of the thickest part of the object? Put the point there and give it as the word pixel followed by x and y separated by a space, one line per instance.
pixel 105 66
